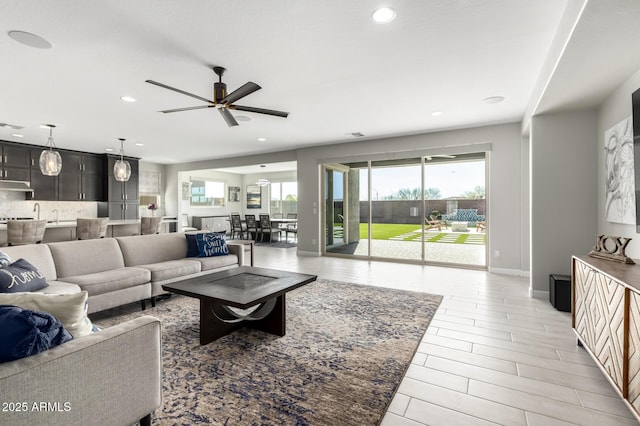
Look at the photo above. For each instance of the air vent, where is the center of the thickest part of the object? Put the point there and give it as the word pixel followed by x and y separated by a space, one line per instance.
pixel 356 134
pixel 11 126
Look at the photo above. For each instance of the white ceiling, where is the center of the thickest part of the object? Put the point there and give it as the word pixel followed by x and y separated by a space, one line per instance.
pixel 326 62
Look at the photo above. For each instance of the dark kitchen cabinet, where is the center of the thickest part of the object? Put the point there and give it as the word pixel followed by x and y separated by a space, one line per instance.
pixel 44 187
pixel 82 177
pixel 123 196
pixel 15 162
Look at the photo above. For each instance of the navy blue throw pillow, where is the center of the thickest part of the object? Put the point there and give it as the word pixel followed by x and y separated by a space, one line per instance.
pixel 211 244
pixel 192 245
pixel 24 332
pixel 21 276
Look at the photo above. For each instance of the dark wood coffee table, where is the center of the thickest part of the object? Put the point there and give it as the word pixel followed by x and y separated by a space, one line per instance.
pixel 257 293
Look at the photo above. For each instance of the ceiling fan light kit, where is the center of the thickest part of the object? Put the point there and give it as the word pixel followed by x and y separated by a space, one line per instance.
pixel 50 161
pixel 122 168
pixel 222 100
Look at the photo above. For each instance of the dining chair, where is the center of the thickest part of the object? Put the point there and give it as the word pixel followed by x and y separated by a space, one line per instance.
pixel 236 227
pixel 292 215
pixel 292 228
pixel 277 215
pixel 185 224
pixel 25 231
pixel 89 229
pixel 150 225
pixel 266 228
pixel 252 226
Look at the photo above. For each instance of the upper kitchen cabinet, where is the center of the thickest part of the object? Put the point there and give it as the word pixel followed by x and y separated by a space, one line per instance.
pixel 123 196
pixel 15 162
pixel 44 187
pixel 82 177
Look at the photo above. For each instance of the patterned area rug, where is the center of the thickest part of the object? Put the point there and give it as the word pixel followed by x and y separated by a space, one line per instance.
pixel 346 350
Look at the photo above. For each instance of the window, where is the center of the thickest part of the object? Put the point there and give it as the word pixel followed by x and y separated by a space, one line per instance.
pixel 149 187
pixel 284 198
pixel 206 193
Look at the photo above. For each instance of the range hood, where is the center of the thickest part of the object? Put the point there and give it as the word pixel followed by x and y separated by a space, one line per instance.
pixel 15 186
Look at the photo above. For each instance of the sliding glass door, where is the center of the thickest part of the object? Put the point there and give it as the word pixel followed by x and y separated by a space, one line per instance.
pixel 425 209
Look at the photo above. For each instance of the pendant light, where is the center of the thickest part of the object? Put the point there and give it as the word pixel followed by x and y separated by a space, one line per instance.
pixel 50 160
pixel 122 168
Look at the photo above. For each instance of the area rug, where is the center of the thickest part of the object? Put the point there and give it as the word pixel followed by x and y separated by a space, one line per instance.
pixel 346 350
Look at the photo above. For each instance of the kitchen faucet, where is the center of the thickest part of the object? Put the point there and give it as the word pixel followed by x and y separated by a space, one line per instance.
pixel 36 207
pixel 55 218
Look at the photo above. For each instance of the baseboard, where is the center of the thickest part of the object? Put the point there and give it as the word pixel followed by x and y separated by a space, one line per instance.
pixel 539 294
pixel 308 253
pixel 506 271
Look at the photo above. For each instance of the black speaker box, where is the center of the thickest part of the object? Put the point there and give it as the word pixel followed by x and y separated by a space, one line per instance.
pixel 560 292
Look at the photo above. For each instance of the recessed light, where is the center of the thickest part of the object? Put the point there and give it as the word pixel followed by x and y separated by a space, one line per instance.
pixel 139 144
pixel 17 135
pixel 242 118
pixel 109 149
pixel 262 139
pixel 384 15
pixel 436 113
pixel 29 39
pixel 128 98
pixel 493 99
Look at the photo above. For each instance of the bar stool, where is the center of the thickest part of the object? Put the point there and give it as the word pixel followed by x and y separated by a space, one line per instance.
pixel 25 231
pixel 89 229
pixel 150 225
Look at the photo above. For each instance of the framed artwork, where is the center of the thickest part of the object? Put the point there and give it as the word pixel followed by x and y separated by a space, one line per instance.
pixel 185 191
pixel 254 197
pixel 619 184
pixel 234 194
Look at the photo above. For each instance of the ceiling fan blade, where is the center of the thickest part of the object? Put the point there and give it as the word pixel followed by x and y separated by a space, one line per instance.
pixel 260 110
pixel 240 92
pixel 231 121
pixel 187 108
pixel 164 86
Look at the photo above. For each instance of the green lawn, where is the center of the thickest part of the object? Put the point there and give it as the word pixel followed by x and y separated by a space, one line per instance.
pixel 384 231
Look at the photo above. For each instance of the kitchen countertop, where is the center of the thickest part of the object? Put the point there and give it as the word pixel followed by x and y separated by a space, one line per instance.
pixel 72 223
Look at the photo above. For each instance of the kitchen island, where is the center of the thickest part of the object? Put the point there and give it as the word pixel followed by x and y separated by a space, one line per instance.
pixel 65 230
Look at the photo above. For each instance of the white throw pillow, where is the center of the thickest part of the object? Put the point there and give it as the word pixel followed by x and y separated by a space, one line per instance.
pixel 70 309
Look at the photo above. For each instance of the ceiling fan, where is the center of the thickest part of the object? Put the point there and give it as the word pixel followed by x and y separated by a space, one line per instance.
pixel 222 100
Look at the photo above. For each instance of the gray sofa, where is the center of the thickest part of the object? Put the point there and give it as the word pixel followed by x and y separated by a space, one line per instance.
pixel 113 377
pixel 116 271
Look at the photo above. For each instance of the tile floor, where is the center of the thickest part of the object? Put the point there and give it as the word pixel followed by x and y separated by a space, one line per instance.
pixel 492 355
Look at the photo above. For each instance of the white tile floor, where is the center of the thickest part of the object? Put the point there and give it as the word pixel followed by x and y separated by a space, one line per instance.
pixel 492 355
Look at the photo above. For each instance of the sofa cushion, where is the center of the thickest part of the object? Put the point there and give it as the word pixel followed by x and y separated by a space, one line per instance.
pixel 172 269
pixel 108 281
pixel 21 276
pixel 24 332
pixel 70 309
pixel 148 249
pixel 73 258
pixel 60 287
pixel 209 263
pixel 38 255
pixel 211 245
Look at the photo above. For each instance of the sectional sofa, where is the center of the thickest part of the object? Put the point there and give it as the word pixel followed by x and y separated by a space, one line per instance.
pixel 113 376
pixel 116 271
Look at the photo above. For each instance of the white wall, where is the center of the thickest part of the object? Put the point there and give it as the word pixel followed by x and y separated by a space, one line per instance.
pixel 504 189
pixel 616 108
pixel 563 197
